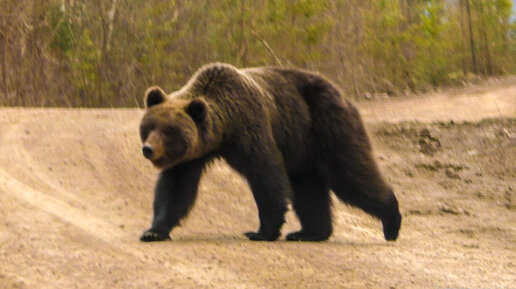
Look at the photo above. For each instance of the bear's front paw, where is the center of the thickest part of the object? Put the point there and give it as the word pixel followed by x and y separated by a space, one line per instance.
pixel 150 236
pixel 306 237
pixel 259 236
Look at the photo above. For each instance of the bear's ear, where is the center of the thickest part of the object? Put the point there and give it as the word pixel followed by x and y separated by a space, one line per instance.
pixel 197 109
pixel 154 95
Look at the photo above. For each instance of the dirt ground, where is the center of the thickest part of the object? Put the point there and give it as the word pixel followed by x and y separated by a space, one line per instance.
pixel 75 195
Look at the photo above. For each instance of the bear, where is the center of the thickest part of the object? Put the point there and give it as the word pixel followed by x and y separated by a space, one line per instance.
pixel 288 131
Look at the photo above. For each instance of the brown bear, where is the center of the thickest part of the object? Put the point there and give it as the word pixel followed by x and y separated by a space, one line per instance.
pixel 289 132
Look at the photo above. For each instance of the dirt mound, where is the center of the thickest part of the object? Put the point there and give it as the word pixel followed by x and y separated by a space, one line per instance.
pixel 76 194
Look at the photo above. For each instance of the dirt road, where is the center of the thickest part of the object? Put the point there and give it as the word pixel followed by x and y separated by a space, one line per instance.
pixel 75 195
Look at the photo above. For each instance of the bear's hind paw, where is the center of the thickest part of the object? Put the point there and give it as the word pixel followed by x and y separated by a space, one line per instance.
pixel 391 227
pixel 150 236
pixel 258 236
pixel 305 237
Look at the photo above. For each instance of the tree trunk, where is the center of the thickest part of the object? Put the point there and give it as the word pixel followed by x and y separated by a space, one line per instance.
pixel 471 40
pixel 463 41
pixel 242 55
pixel 489 65
pixel 5 42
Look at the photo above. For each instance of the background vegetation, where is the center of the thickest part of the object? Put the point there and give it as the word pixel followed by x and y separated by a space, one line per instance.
pixel 106 52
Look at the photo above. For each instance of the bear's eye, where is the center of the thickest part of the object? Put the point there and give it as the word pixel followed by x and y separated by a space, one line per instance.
pixel 145 131
pixel 171 130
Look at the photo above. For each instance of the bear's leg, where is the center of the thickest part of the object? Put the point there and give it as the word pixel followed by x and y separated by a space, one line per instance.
pixel 175 194
pixel 269 189
pixel 374 198
pixel 312 203
pixel 269 184
pixel 346 162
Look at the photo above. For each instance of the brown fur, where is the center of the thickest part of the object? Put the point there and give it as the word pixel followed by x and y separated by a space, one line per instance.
pixel 288 131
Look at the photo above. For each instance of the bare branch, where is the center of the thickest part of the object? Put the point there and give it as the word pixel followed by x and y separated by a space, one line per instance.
pixel 278 61
pixel 111 17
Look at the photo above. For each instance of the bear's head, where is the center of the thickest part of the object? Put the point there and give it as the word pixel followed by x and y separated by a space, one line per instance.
pixel 171 128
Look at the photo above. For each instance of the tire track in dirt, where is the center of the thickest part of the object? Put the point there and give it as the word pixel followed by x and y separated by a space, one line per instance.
pixel 472 105
pixel 98 228
pixel 21 155
pixel 82 225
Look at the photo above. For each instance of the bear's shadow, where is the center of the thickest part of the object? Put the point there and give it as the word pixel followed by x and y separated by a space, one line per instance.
pixel 234 239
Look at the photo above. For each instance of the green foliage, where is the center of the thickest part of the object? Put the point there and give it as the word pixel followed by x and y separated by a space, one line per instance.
pixel 62 30
pixel 105 53
pixel 83 61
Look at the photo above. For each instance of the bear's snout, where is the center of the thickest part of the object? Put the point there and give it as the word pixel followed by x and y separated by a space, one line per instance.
pixel 148 151
pixel 153 148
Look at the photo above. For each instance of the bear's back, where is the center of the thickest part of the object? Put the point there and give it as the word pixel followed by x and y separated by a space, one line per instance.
pixel 290 116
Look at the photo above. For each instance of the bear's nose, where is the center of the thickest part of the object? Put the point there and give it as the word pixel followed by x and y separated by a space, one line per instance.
pixel 147 151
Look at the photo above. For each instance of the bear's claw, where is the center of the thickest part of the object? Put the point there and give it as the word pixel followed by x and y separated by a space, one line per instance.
pixel 149 236
pixel 302 236
pixel 258 236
